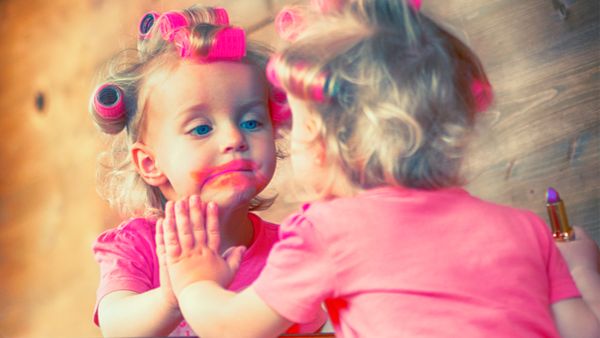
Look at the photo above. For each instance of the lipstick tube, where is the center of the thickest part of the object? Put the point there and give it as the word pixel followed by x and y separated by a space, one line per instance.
pixel 561 230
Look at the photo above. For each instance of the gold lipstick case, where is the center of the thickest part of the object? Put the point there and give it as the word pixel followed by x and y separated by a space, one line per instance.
pixel 561 230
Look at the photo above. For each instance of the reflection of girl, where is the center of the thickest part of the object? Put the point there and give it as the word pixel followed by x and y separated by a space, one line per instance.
pixel 382 100
pixel 199 119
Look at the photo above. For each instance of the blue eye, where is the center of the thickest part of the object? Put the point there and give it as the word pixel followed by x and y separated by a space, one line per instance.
pixel 202 130
pixel 250 124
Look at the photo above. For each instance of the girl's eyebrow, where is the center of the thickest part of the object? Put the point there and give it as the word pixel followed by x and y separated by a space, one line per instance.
pixel 194 109
pixel 202 108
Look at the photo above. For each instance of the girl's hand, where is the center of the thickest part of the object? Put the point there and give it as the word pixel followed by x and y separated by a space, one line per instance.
pixel 581 253
pixel 192 241
pixel 165 282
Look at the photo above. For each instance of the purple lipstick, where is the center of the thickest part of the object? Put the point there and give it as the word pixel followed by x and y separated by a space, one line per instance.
pixel 561 230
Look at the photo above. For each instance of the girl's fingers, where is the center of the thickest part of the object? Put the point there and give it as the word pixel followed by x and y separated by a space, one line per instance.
pixel 170 231
pixel 160 241
pixel 197 220
pixel 184 229
pixel 212 227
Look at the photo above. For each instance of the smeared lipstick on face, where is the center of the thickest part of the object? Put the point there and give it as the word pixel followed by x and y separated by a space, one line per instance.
pixel 221 175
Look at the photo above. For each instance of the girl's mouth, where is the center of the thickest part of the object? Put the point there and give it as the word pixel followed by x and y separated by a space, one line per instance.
pixel 239 165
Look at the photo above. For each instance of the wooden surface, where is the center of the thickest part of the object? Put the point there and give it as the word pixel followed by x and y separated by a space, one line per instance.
pixel 544 131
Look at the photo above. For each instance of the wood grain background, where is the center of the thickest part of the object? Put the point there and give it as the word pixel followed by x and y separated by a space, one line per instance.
pixel 543 131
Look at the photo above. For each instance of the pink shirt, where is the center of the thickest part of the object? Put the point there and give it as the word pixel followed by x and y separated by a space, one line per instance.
pixel 399 262
pixel 128 261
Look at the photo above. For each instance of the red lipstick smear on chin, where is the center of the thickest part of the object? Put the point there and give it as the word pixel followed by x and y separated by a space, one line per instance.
pixel 215 173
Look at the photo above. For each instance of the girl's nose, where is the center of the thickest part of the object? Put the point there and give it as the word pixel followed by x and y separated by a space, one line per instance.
pixel 234 140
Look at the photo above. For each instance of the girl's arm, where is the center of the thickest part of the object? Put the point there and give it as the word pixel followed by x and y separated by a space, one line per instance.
pixel 580 317
pixel 198 274
pixel 222 313
pixel 151 313
pixel 130 314
pixel 574 319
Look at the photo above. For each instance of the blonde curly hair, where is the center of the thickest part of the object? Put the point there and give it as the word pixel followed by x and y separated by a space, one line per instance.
pixel 399 93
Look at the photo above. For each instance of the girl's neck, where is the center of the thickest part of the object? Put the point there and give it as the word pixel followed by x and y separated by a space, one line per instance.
pixel 235 227
pixel 340 186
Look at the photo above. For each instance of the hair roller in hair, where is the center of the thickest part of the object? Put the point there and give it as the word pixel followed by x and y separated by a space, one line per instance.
pixel 318 88
pixel 228 44
pixel 171 22
pixel 146 24
pixel 278 107
pixel 289 23
pixel 109 101
pixel 327 6
pixel 221 16
pixel 181 40
pixel 482 94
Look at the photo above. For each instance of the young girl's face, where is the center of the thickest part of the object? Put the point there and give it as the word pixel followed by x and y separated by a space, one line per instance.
pixel 209 132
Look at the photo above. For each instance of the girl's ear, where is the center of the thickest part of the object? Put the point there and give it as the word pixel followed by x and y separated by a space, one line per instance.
pixel 313 127
pixel 145 164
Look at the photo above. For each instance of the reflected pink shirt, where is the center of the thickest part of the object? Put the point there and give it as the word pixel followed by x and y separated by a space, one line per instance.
pixel 399 262
pixel 128 261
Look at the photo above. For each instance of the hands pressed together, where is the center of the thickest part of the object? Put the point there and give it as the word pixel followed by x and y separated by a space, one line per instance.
pixel 187 245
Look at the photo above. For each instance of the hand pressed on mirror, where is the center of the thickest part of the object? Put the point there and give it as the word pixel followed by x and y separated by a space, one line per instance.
pixel 165 283
pixel 191 240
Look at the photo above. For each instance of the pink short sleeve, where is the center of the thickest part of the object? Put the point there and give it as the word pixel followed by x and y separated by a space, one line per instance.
pixel 297 277
pixel 127 259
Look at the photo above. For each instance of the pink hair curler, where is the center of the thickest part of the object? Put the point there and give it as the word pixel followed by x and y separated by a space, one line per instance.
pixel 221 16
pixel 229 44
pixel 181 40
pixel 170 22
pixel 109 101
pixel 317 90
pixel 146 23
pixel 483 95
pixel 289 23
pixel 278 107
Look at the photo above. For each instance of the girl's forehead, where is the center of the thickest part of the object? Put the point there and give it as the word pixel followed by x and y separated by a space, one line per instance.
pixel 212 77
pixel 217 83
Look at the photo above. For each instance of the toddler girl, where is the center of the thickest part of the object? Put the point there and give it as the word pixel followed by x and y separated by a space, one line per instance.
pixel 192 114
pixel 383 100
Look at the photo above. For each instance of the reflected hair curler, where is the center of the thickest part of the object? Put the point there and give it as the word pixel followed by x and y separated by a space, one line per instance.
pixel 320 89
pixel 146 23
pixel 170 22
pixel 221 16
pixel 228 44
pixel 109 101
pixel 289 23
